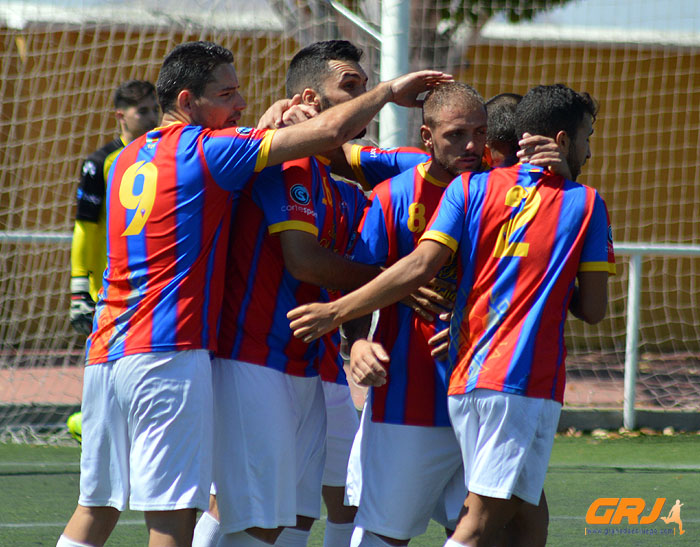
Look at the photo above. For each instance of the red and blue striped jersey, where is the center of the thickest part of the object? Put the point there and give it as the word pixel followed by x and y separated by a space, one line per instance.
pixel 300 195
pixel 416 388
pixel 373 165
pixel 520 235
pixel 169 200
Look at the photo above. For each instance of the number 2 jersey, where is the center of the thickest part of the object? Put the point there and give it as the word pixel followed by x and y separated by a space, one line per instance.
pixel 520 235
pixel 416 388
pixel 170 196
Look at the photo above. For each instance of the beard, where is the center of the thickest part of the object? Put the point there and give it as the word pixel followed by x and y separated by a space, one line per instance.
pixel 574 166
pixel 453 170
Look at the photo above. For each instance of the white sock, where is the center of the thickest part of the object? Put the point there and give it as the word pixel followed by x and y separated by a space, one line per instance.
pixel 452 543
pixel 240 539
pixel 338 534
pixel 207 532
pixel 63 541
pixel 365 538
pixel 291 537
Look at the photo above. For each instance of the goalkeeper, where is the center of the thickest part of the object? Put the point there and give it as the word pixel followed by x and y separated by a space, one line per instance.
pixel 137 111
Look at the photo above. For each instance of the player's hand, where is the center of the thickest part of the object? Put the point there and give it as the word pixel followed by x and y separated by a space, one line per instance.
pixel 311 321
pixel 405 89
pixel 543 152
pixel 367 361
pixel 428 302
pixel 286 112
pixel 440 343
pixel 82 307
pixel 298 113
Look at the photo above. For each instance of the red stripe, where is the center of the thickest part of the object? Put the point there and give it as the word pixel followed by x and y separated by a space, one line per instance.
pixel 545 351
pixel 420 387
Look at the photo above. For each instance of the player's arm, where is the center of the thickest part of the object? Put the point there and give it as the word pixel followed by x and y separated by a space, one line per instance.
pixel 339 124
pixel 590 299
pixel 340 162
pixel 308 261
pixel 286 112
pixel 311 321
pixel 82 305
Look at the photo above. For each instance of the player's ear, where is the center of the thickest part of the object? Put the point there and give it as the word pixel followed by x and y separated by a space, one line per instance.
pixel 185 101
pixel 426 135
pixel 119 115
pixel 563 141
pixel 310 97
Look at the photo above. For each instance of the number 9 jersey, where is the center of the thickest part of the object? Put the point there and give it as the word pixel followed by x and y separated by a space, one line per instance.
pixel 520 235
pixel 170 196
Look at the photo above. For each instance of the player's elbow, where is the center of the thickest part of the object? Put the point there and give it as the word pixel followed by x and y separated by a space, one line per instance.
pixel 424 268
pixel 592 310
pixel 301 270
pixel 593 316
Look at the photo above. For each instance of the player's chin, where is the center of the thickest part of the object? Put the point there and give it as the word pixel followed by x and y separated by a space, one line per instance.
pixel 467 164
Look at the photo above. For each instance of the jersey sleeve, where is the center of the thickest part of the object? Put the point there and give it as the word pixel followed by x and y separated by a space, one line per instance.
pixel 285 195
pixel 91 190
pixel 598 254
pixel 373 244
pixel 447 224
pixel 234 155
pixel 373 165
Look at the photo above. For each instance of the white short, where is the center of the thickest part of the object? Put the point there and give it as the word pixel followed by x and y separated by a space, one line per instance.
pixel 402 475
pixel 342 424
pixel 147 432
pixel 506 442
pixel 269 445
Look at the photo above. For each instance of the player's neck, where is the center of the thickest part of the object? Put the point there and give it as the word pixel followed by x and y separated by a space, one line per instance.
pixel 174 116
pixel 126 137
pixel 438 173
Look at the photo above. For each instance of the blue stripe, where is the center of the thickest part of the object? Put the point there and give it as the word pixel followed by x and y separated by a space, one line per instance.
pixel 471 232
pixel 395 407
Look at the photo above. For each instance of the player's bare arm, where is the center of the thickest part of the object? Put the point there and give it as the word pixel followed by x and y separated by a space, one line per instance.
pixel 341 163
pixel 311 321
pixel 308 261
pixel 339 124
pixel 590 299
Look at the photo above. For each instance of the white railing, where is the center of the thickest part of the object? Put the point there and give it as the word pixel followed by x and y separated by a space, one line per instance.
pixel 636 251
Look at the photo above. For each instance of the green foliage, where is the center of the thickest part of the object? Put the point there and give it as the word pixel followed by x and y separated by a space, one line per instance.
pixel 477 12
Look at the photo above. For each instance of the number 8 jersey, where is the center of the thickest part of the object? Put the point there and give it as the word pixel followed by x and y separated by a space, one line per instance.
pixel 169 200
pixel 521 235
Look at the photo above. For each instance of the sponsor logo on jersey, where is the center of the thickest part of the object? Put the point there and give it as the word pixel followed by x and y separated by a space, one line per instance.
pixel 244 130
pixel 300 194
pixel 89 168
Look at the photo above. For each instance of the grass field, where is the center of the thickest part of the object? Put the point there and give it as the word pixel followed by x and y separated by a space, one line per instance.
pixel 39 486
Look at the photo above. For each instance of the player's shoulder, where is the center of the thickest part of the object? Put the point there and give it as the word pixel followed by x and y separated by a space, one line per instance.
pixel 400 182
pixel 99 155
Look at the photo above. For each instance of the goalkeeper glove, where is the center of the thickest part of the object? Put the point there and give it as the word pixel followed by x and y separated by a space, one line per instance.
pixel 82 307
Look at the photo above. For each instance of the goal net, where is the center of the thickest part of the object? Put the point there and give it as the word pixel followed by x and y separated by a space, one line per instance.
pixel 61 60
